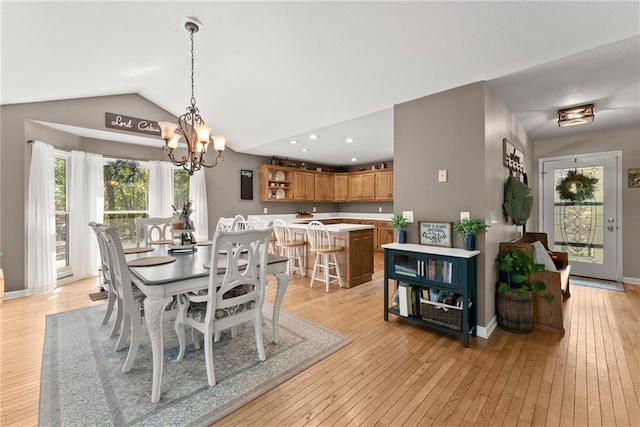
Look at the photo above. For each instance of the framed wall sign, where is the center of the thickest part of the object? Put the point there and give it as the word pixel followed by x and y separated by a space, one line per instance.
pixel 435 233
pixel 246 184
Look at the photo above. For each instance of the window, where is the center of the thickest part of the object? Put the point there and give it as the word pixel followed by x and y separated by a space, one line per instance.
pixel 126 188
pixel 60 172
pixel 180 187
pixel 126 195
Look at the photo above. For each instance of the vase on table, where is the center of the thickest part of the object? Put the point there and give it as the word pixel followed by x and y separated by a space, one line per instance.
pixel 402 236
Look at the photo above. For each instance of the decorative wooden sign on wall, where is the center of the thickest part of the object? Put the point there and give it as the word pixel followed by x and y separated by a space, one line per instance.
pixel 131 124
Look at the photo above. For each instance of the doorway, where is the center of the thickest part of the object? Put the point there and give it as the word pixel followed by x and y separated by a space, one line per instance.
pixel 586 225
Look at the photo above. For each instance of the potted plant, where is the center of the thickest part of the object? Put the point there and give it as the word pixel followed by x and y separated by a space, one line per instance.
pixel 397 223
pixel 514 304
pixel 469 227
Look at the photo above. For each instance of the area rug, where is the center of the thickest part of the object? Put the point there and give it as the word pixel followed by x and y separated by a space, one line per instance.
pixel 82 383
pixel 596 283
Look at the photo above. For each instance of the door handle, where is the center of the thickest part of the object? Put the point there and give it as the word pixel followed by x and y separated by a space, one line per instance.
pixel 610 228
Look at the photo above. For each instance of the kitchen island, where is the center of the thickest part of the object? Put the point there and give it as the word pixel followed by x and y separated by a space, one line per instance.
pixel 356 261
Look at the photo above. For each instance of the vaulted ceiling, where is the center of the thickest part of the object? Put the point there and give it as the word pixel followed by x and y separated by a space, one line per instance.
pixel 270 72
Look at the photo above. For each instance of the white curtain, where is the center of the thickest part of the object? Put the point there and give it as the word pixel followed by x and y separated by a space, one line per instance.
pixel 160 189
pixel 198 194
pixel 85 205
pixel 41 239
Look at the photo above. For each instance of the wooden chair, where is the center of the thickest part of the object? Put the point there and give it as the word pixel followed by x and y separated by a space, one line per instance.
pixel 153 231
pixel 289 247
pixel 233 298
pixel 326 254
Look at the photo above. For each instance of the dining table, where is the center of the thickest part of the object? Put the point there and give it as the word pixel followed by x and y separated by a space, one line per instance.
pixel 161 283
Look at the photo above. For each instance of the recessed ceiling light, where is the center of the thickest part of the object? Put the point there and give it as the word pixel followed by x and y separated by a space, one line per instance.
pixel 313 136
pixel 293 141
pixel 353 159
pixel 305 149
pixel 349 139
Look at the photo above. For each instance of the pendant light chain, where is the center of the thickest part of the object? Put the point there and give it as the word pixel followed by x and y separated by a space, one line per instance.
pixel 193 96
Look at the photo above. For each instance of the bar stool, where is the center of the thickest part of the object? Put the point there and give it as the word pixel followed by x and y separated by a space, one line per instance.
pixel 292 249
pixel 326 254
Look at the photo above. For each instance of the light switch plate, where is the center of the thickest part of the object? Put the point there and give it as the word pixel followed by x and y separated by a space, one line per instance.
pixel 442 175
pixel 314 208
pixel 408 215
pixel 464 215
pixel 266 210
pixel 494 217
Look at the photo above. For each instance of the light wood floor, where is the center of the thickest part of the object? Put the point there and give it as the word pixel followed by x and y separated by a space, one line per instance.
pixel 398 374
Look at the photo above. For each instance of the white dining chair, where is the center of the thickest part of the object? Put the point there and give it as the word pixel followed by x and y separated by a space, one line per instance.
pixel 257 223
pixel 153 231
pixel 291 248
pixel 108 283
pixel 229 224
pixel 233 297
pixel 326 254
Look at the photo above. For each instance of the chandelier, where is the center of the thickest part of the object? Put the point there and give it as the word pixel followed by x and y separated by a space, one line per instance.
pixel 192 128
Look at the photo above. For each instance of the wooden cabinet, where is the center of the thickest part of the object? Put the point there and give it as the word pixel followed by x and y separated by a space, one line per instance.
pixel 275 184
pixel 303 186
pixel 324 187
pixel 341 187
pixel 284 184
pixel 384 234
pixel 384 185
pixel 360 256
pixel 420 271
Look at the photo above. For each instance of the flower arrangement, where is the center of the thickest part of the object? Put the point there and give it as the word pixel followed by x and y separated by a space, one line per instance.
pixel 184 215
pixel 470 226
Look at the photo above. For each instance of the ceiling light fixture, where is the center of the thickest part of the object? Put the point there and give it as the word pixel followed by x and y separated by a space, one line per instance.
pixel 313 136
pixel 353 159
pixel 575 115
pixel 192 128
pixel 349 140
pixel 293 141
pixel 305 149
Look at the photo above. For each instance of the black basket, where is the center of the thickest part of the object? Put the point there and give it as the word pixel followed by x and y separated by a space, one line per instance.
pixel 442 314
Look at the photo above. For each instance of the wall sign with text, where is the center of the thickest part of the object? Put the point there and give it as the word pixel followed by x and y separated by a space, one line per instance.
pixel 131 124
pixel 435 233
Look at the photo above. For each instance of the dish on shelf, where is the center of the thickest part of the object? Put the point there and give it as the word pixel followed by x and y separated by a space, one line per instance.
pixel 280 176
pixel 280 193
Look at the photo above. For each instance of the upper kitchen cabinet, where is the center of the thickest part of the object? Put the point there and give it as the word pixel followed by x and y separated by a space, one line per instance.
pixel 361 186
pixel 275 184
pixel 304 186
pixel 384 185
pixel 341 187
pixel 324 187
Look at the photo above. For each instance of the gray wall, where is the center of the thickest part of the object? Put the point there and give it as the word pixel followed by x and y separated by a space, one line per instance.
pixel 460 130
pixel 18 126
pixel 628 141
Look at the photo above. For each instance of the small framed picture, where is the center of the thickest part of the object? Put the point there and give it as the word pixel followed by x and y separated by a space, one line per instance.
pixel 435 233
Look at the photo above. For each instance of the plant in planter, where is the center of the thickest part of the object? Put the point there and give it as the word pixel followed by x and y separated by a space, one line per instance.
pixel 397 223
pixel 514 304
pixel 469 227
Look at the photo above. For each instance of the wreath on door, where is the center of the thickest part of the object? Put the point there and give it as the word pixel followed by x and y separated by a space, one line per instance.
pixel 576 187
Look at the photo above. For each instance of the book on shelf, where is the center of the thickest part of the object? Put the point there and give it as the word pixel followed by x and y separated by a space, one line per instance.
pixel 404 296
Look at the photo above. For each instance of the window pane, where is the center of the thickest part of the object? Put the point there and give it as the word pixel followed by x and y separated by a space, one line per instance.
pixel 180 187
pixel 126 189
pixel 60 175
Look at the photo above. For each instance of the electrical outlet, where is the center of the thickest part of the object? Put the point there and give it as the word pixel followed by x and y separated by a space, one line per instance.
pixel 266 210
pixel 314 208
pixel 408 215
pixel 464 215
pixel 379 208
pixel 442 175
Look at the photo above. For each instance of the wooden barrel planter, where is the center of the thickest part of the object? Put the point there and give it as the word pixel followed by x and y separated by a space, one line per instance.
pixel 515 312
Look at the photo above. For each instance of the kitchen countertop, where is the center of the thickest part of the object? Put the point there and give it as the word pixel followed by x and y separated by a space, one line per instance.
pixel 291 218
pixel 336 228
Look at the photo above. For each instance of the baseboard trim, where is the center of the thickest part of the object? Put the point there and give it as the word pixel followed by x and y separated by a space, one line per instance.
pixel 486 331
pixel 631 280
pixel 17 294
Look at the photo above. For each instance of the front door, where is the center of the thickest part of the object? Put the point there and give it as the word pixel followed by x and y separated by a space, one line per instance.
pixel 587 228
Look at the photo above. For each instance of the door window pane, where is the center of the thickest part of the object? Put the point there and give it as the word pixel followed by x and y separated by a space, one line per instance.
pixel 579 225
